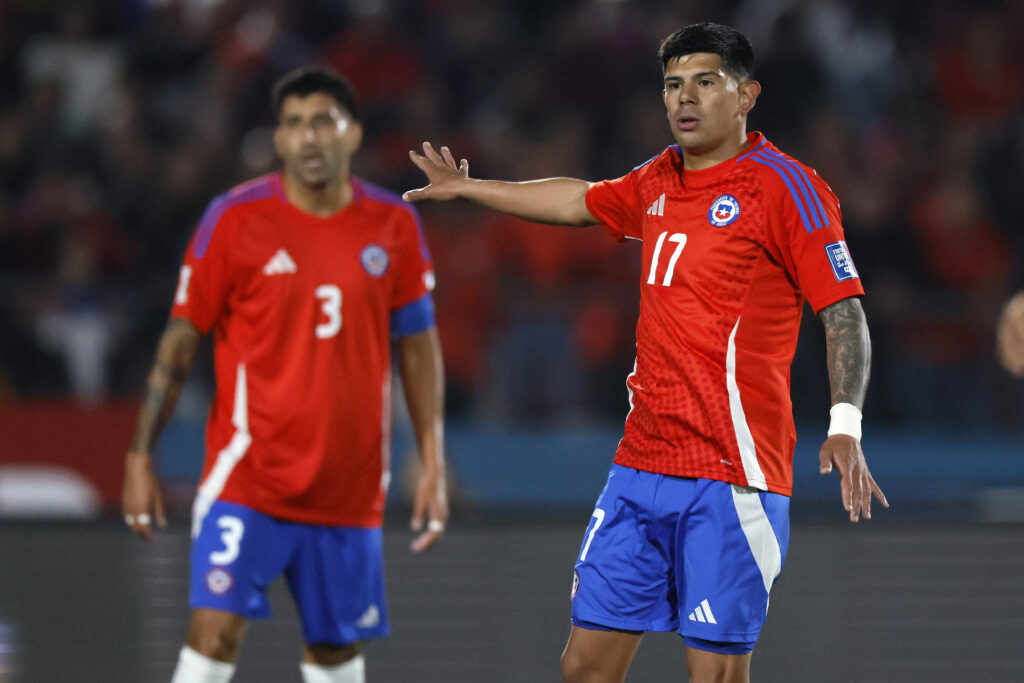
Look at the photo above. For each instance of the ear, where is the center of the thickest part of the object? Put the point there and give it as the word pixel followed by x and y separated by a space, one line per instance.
pixel 749 91
pixel 354 135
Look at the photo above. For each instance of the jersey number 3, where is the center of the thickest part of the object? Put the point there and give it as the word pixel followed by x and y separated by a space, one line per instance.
pixel 330 304
pixel 680 239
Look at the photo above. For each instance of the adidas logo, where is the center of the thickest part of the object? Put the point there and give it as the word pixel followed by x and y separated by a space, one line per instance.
pixel 279 264
pixel 704 615
pixel 658 207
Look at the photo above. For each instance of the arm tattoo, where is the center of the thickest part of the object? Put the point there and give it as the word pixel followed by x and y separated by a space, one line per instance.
pixel 174 356
pixel 849 350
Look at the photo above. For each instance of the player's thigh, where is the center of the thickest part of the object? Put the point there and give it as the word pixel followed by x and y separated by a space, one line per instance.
pixel 715 667
pixel 237 553
pixel 731 548
pixel 337 580
pixel 621 578
pixel 596 655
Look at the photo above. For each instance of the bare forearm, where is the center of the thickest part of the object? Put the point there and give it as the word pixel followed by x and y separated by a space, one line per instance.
pixel 174 356
pixel 848 351
pixel 422 371
pixel 555 201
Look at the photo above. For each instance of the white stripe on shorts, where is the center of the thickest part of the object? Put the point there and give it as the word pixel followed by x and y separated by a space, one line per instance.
pixel 759 532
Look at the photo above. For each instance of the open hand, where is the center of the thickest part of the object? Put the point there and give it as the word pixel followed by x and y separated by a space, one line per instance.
pixel 855 481
pixel 445 178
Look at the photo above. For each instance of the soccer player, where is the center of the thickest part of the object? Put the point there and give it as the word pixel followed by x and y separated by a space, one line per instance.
pixel 692 528
pixel 303 277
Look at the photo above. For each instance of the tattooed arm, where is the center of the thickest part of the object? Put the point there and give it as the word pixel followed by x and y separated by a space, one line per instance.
pixel 849 367
pixel 174 355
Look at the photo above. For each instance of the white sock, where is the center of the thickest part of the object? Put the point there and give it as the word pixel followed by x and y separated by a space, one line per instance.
pixel 196 668
pixel 352 671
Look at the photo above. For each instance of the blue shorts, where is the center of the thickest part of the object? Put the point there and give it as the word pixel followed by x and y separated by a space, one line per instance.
pixel 668 553
pixel 336 574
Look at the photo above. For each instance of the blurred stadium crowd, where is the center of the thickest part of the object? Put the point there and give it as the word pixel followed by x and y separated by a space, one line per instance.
pixel 119 121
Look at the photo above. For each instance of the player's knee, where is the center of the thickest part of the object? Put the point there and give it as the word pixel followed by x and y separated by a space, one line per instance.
pixel 579 669
pixel 216 643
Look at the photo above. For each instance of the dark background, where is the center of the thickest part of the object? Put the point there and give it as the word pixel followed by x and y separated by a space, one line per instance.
pixel 121 120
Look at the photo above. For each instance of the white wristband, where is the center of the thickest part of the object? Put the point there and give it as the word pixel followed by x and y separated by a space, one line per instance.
pixel 846 419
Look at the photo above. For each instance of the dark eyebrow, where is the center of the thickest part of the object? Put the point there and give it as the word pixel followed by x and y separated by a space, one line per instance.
pixel 696 77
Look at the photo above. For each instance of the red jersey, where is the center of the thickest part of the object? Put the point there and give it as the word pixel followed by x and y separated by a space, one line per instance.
pixel 302 309
pixel 730 254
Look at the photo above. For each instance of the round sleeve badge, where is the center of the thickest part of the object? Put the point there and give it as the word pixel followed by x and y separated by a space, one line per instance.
pixel 374 260
pixel 724 210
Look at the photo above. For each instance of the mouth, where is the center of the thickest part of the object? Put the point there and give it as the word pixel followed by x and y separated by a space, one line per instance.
pixel 687 123
pixel 311 160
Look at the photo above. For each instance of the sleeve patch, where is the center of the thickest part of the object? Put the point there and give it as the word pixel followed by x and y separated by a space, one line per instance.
pixel 842 264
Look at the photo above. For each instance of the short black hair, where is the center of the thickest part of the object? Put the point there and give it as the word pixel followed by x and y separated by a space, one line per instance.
pixel 728 43
pixel 307 80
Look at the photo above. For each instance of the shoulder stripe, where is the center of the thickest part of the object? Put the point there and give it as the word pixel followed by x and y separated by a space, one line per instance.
pixel 799 181
pixel 784 174
pixel 637 168
pixel 752 151
pixel 791 164
pixel 675 147
pixel 251 191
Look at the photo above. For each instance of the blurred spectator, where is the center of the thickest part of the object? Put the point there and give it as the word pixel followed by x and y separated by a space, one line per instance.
pixel 119 120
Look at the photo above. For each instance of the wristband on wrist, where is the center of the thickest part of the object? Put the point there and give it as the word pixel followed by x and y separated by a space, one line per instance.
pixel 846 419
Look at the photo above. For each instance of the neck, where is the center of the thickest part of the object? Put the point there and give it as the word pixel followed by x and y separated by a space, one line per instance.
pixel 320 200
pixel 700 159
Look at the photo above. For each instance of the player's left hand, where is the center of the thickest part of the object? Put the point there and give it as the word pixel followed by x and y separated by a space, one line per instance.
pixel 429 508
pixel 855 481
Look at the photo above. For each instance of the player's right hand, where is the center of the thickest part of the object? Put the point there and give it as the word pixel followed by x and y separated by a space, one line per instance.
pixel 141 501
pixel 445 178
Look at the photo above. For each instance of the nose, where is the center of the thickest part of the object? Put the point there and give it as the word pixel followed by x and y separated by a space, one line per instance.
pixel 687 93
pixel 309 134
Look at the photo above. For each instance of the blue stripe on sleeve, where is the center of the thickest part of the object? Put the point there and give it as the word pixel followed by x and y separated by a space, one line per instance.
pixel 792 165
pixel 808 203
pixel 766 161
pixel 648 161
pixel 252 191
pixel 413 318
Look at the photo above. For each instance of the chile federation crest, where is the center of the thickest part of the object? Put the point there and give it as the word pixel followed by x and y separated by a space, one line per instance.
pixel 724 211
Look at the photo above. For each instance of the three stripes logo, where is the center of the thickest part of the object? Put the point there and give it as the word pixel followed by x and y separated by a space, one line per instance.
pixel 279 264
pixel 658 207
pixel 703 613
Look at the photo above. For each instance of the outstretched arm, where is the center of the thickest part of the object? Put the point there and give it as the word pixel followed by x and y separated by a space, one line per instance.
pixel 422 372
pixel 556 201
pixel 849 367
pixel 141 501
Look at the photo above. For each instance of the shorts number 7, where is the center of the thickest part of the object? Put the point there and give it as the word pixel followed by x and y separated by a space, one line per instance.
pixel 599 516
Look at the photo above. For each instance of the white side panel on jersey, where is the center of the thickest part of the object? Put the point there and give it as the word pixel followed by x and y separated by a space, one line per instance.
pixel 228 457
pixel 385 431
pixel 744 439
pixel 759 532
